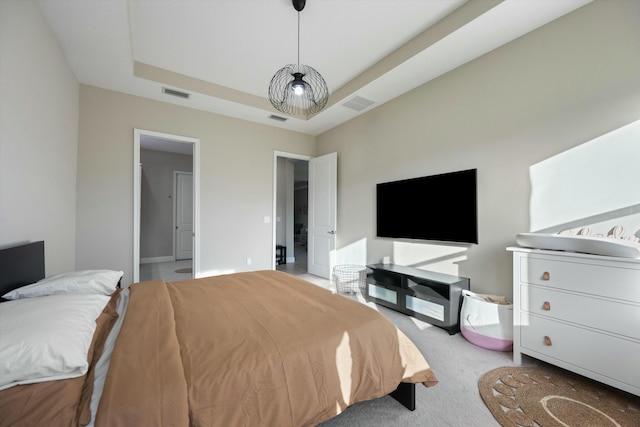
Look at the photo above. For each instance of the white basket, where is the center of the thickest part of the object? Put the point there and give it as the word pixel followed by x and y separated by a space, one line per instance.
pixel 350 279
pixel 485 322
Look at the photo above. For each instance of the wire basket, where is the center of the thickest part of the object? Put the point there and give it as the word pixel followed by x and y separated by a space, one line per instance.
pixel 350 280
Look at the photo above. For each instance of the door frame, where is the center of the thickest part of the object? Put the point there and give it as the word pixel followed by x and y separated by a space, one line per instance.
pixel 274 224
pixel 137 181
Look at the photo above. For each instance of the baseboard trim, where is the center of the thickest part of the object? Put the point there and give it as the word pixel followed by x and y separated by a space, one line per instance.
pixel 153 260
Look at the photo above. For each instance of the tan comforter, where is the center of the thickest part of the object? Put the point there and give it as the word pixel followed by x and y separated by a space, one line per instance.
pixel 250 349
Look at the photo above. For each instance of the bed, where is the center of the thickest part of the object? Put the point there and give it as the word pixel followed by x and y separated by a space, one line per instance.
pixel 255 348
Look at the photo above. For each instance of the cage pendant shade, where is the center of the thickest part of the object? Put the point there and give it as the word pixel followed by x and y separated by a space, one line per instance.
pixel 298 89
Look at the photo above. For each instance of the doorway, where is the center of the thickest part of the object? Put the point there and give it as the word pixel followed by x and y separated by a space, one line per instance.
pixel 292 215
pixel 321 211
pixel 166 206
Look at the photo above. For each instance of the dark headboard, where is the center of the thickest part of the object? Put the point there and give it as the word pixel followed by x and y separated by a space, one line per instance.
pixel 21 265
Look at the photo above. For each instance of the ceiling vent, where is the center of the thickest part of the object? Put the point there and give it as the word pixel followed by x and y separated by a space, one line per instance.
pixel 177 93
pixel 358 103
pixel 278 118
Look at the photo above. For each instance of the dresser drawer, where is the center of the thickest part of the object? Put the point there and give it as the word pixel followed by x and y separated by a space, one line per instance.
pixel 617 317
pixel 603 354
pixel 611 281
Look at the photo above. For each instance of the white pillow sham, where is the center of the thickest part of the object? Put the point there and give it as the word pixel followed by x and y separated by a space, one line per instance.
pixel 102 282
pixel 46 339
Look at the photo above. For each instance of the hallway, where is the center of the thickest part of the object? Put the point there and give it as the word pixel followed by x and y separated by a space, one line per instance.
pixel 299 268
pixel 179 270
pixel 300 265
pixel 170 271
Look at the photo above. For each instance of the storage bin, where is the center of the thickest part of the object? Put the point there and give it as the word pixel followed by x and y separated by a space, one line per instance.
pixel 487 321
pixel 350 280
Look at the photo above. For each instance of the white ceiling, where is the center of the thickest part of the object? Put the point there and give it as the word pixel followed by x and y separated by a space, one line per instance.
pixel 224 52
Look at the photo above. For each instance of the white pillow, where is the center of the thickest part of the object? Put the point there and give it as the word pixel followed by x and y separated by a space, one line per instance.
pixel 45 339
pixel 101 282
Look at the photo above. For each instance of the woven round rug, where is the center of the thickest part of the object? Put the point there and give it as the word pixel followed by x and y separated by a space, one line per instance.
pixel 548 397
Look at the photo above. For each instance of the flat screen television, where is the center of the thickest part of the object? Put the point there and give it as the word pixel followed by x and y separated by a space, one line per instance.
pixel 437 207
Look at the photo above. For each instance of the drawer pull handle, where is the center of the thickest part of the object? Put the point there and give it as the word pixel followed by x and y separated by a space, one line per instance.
pixel 547 341
pixel 546 306
pixel 546 275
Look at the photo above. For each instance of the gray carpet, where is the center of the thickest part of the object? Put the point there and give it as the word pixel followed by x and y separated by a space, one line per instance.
pixel 454 401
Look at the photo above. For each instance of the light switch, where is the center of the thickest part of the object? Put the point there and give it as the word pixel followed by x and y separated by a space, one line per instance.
pixel 267 219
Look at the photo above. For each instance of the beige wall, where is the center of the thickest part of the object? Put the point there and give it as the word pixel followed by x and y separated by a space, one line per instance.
pixel 562 85
pixel 38 136
pixel 236 180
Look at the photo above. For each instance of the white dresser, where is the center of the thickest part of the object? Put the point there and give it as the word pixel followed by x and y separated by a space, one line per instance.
pixel 580 312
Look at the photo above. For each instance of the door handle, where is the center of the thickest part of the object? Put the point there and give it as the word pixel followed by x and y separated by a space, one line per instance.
pixel 331 232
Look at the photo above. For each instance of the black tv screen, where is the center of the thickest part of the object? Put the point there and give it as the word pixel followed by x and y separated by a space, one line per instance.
pixel 437 207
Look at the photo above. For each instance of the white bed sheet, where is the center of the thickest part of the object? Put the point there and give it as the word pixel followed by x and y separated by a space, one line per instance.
pixel 102 366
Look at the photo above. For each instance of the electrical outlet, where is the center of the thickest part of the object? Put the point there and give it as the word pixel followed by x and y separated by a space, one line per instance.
pixel 249 261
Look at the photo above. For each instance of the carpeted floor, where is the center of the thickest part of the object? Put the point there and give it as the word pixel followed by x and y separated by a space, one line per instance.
pixel 455 401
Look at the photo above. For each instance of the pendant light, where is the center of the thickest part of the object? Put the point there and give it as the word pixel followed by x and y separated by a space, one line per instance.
pixel 296 88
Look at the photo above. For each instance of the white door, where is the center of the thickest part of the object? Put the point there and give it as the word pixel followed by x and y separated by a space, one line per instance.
pixel 184 215
pixel 323 172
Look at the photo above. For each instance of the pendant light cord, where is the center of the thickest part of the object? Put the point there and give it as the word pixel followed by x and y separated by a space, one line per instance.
pixel 298 40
